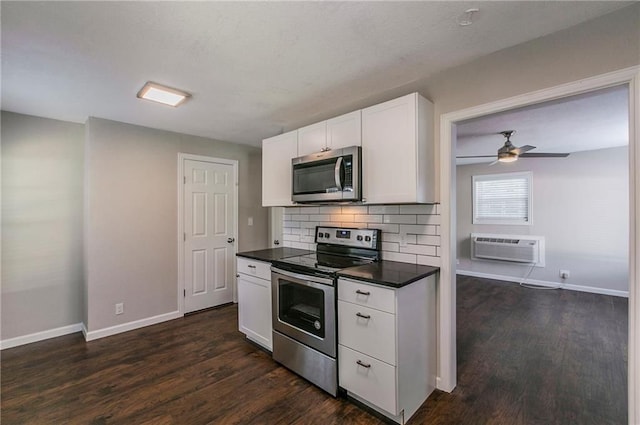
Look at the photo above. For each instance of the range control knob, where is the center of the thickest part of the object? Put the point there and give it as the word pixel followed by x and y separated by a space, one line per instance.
pixel 367 238
pixel 320 234
pixel 326 235
pixel 359 237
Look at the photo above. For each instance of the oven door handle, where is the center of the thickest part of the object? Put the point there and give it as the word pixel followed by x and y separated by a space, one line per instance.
pixel 303 277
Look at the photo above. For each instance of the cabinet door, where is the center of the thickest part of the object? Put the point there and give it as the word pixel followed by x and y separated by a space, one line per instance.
pixel 254 309
pixel 312 138
pixel 345 130
pixel 389 153
pixel 277 153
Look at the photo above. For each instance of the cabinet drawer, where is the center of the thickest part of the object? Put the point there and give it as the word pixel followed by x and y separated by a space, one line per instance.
pixel 254 268
pixel 368 331
pixel 375 383
pixel 367 295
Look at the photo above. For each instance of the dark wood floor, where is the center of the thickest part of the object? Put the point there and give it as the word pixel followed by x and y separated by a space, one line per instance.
pixel 524 357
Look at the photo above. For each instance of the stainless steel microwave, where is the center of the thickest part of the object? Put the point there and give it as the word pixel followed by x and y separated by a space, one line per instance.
pixel 329 176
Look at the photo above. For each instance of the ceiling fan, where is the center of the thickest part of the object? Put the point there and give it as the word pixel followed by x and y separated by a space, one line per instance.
pixel 510 153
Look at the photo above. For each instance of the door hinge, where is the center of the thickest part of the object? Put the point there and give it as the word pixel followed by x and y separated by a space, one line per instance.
pixel 184 293
pixel 184 237
pixel 184 179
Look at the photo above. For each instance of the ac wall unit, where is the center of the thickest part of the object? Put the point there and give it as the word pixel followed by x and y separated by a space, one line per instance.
pixel 518 249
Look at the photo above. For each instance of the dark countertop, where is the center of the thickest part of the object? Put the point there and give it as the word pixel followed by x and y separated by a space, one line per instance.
pixel 273 254
pixel 389 273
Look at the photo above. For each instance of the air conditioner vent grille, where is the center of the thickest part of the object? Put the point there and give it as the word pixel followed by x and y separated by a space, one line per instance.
pixel 508 248
pixel 496 240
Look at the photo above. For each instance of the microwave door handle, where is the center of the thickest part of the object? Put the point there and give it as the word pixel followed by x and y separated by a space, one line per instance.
pixel 337 174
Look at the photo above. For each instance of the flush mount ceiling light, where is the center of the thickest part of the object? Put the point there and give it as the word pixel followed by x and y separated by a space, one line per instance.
pixel 162 94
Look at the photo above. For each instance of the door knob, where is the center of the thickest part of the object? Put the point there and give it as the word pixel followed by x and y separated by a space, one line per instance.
pixel 276 242
pixel 230 240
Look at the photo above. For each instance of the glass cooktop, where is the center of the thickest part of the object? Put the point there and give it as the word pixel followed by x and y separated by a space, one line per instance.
pixel 321 262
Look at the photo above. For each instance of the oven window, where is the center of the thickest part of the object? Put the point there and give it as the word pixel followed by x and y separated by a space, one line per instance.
pixel 301 307
pixel 315 177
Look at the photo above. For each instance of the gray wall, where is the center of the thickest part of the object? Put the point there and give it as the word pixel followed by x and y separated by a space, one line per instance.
pixel 581 207
pixel 131 234
pixel 42 169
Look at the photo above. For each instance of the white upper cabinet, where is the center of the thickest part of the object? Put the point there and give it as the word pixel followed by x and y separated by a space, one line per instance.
pixel 345 130
pixel 336 133
pixel 312 138
pixel 397 151
pixel 277 153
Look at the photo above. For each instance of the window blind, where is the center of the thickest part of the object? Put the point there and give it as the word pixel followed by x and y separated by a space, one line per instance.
pixel 502 199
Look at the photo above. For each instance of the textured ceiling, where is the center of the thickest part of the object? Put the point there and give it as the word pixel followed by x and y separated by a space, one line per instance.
pixel 590 121
pixel 254 68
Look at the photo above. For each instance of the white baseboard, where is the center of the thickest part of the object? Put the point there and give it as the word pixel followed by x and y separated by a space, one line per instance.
pixel 581 288
pixel 39 336
pixel 113 330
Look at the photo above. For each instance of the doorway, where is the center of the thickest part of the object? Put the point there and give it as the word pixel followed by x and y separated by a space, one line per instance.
pixel 447 292
pixel 207 223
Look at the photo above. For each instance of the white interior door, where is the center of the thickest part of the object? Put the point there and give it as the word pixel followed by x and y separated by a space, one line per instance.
pixel 209 239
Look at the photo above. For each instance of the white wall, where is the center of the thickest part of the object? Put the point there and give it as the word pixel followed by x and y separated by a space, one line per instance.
pixel 580 204
pixel 131 235
pixel 410 233
pixel 42 169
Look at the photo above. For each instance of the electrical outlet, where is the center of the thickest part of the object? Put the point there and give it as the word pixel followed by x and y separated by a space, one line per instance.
pixel 250 221
pixel 564 274
pixel 119 308
pixel 403 240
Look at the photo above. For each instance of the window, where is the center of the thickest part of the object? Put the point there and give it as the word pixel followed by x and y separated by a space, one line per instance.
pixel 502 198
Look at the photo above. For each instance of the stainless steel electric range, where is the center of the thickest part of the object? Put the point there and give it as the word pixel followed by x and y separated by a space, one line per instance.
pixel 304 301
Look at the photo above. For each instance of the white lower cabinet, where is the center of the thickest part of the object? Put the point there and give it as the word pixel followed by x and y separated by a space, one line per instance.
pixel 254 301
pixel 387 345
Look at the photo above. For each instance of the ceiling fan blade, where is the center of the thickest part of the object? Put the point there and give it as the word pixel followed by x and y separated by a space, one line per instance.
pixel 544 155
pixel 494 163
pixel 477 156
pixel 523 149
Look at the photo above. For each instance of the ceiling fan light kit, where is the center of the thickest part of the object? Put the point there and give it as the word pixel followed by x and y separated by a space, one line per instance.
pixel 510 153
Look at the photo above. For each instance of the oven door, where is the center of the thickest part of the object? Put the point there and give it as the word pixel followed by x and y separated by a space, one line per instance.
pixel 304 309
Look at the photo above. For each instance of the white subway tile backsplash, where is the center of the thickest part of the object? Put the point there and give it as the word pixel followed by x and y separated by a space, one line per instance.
pixel 399 256
pixel 429 219
pixel 418 229
pixel 419 249
pixel 418 209
pixel 384 209
pixel 410 233
pixel 428 261
pixel 391 228
pixel 400 219
pixel 390 246
pixel 308 224
pixel 428 240
pixel 345 218
pixel 354 210
pixel 367 218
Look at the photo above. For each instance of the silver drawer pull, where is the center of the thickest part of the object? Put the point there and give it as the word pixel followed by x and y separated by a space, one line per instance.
pixel 360 363
pixel 359 292
pixel 251 266
pixel 364 316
